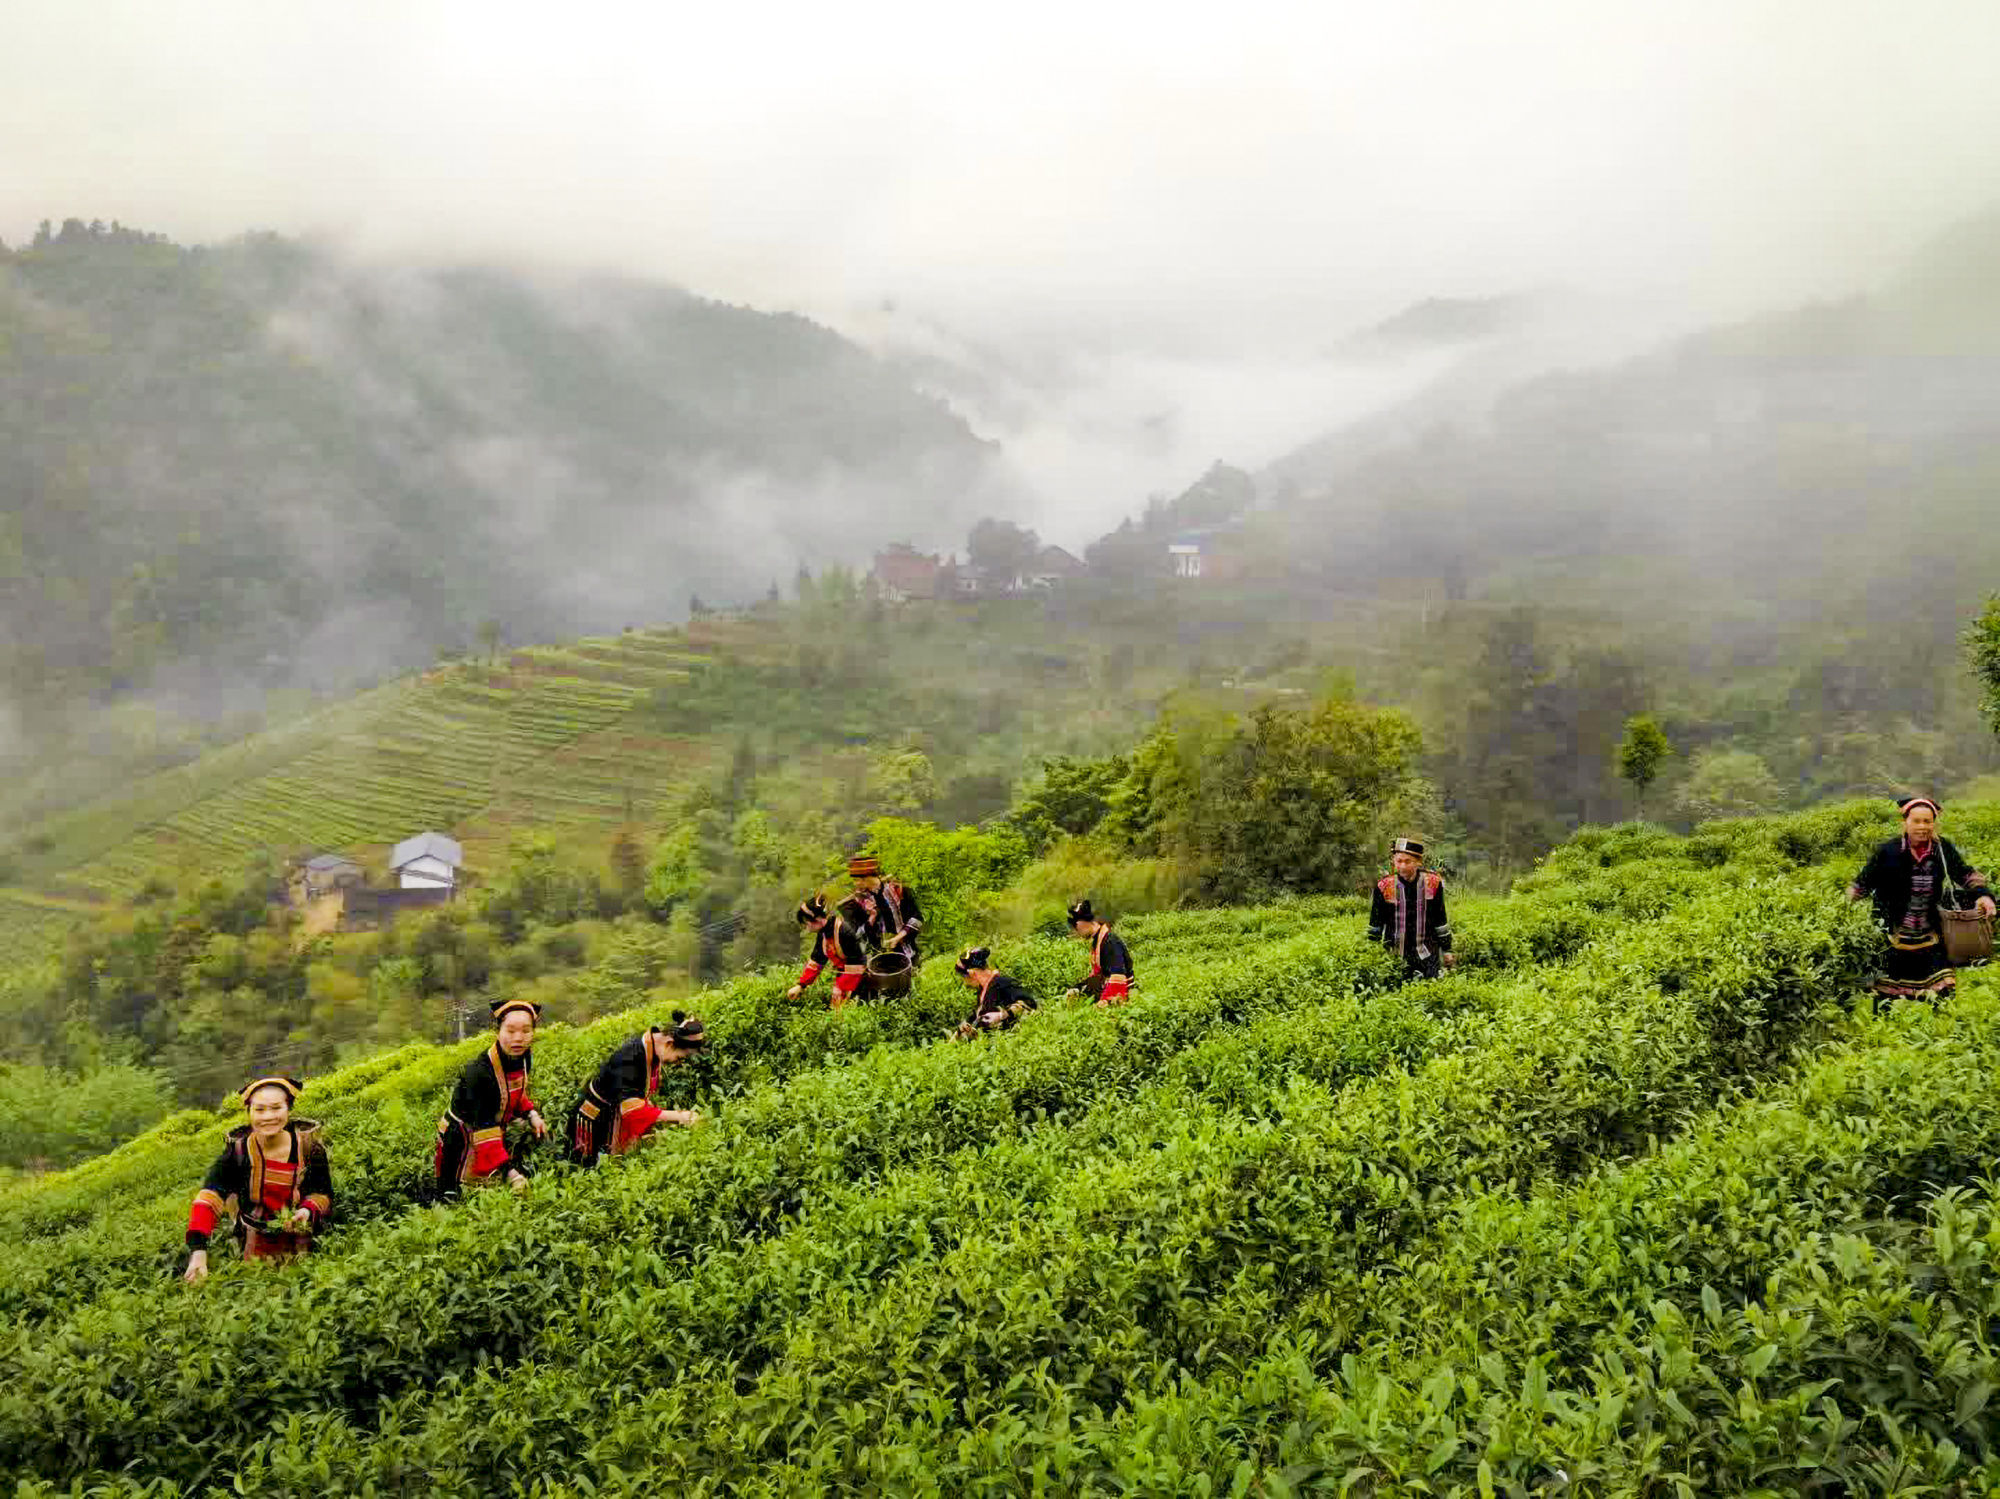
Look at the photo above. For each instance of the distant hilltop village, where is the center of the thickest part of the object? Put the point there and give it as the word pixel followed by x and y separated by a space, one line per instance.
pixel 1190 537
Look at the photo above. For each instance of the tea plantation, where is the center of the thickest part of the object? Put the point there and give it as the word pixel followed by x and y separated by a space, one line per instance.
pixel 1643 1199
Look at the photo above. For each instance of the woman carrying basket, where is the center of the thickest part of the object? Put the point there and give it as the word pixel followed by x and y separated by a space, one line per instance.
pixel 1910 878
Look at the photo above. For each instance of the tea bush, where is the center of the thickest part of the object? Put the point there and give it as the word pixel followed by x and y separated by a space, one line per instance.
pixel 1630 1203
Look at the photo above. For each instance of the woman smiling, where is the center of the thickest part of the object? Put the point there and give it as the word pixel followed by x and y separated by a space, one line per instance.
pixel 272 1176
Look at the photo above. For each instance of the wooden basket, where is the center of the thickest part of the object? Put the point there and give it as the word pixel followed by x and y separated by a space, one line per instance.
pixel 1968 936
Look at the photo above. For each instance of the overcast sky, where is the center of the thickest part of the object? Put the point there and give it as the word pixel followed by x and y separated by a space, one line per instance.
pixel 1136 180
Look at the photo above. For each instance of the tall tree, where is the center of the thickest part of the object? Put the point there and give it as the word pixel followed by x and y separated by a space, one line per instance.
pixel 1003 551
pixel 1982 648
pixel 1641 753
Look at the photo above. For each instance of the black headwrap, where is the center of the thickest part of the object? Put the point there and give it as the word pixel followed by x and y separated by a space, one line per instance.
pixel 1080 911
pixel 812 908
pixel 687 1031
pixel 974 957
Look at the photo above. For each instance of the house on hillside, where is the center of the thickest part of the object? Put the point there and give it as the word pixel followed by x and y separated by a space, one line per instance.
pixel 1054 567
pixel 902 573
pixel 428 861
pixel 1211 553
pixel 1184 553
pixel 961 580
pixel 321 875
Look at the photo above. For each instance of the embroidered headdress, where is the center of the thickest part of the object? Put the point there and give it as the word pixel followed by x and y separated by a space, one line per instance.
pixel 501 1008
pixel 1407 846
pixel 292 1086
pixel 1908 804
pixel 864 866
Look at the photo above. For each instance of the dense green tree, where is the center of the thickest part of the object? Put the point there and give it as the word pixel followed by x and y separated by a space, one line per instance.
pixel 1003 551
pixel 1072 796
pixel 1294 801
pixel 50 1119
pixel 1982 645
pixel 1641 753
pixel 1724 782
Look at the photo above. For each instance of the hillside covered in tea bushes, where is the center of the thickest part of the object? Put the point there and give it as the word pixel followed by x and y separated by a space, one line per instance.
pixel 1640 1199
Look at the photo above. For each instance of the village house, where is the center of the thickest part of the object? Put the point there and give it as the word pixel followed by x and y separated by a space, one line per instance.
pixel 1055 567
pixel 322 875
pixel 902 573
pixel 427 861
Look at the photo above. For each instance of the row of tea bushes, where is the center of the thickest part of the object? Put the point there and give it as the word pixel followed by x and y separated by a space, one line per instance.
pixel 410 1299
pixel 381 1114
pixel 115 1221
pixel 1796 1298
pixel 1177 1261
pixel 1171 1249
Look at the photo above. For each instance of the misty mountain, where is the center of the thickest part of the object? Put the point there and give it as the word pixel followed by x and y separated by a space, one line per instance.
pixel 1445 322
pixel 1837 462
pixel 262 462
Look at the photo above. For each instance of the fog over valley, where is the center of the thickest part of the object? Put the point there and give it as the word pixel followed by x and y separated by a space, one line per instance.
pixel 334 339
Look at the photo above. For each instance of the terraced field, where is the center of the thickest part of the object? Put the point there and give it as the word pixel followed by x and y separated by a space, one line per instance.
pixel 1640 1200
pixel 470 748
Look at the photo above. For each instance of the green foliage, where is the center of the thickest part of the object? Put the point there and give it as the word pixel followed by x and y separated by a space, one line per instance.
pixel 1728 783
pixel 1291 800
pixel 1072 796
pixel 951 871
pixel 1641 753
pixel 52 1119
pixel 676 874
pixel 1982 648
pixel 538 885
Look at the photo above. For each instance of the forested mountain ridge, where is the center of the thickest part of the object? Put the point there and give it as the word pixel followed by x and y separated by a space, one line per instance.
pixel 262 463
pixel 1804 457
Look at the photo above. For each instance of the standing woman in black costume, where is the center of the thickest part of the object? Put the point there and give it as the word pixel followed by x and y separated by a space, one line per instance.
pixel 1906 878
pixel 492 1093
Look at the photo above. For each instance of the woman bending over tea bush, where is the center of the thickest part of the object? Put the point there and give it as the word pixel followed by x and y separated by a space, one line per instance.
pixel 272 1175
pixel 617 1108
pixel 1002 1002
pixel 1907 879
pixel 492 1093
pixel 1110 978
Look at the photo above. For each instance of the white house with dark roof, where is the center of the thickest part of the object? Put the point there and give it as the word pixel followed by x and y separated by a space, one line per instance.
pixel 429 861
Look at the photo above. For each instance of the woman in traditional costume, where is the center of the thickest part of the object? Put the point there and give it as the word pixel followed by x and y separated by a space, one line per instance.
pixel 617 1108
pixel 1407 914
pixel 272 1176
pixel 1110 979
pixel 839 943
pixel 1002 1001
pixel 1907 878
pixel 492 1093
pixel 894 917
